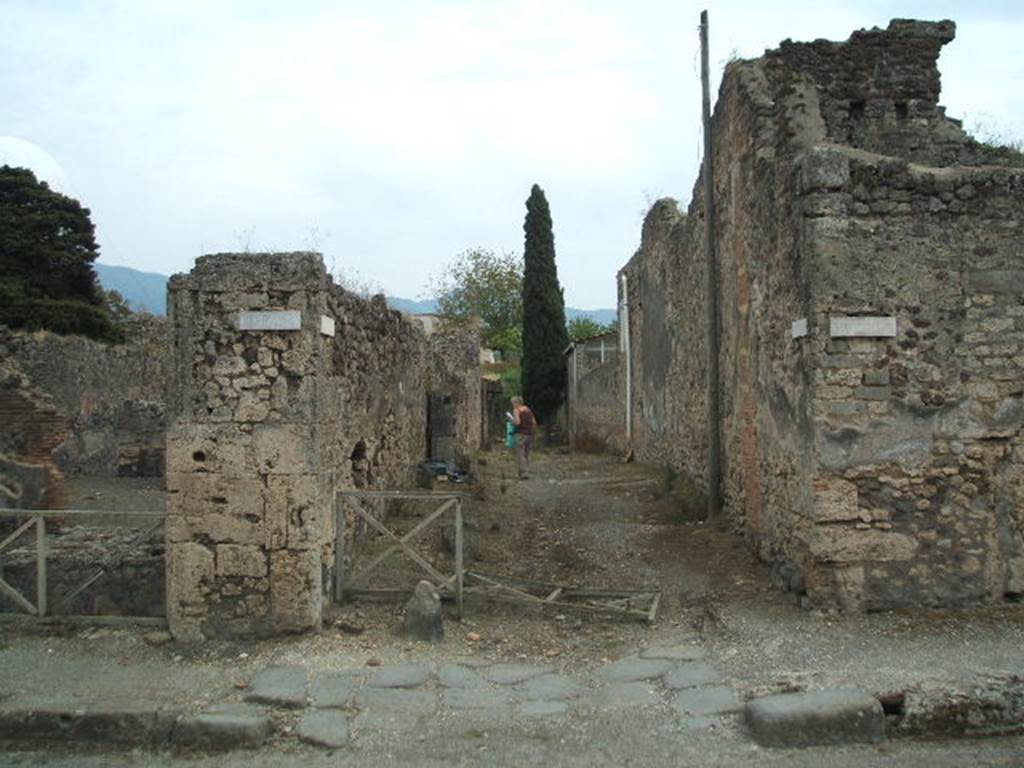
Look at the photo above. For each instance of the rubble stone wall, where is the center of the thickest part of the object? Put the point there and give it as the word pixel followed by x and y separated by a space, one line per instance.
pixel 594 395
pixel 113 396
pixel 268 424
pixel 454 371
pixel 872 290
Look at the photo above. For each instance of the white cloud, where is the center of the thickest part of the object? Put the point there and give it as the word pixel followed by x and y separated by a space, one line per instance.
pixel 408 130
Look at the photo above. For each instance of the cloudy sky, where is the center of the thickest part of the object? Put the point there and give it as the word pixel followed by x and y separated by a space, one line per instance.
pixel 393 134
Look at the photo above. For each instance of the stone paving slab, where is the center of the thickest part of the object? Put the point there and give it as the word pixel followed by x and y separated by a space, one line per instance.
pixel 620 695
pixel 333 690
pixel 279 687
pixel 633 669
pixel 701 702
pixel 400 676
pixel 547 688
pixel 838 716
pixel 491 705
pixel 225 726
pixel 674 653
pixel 324 728
pixel 510 674
pixel 396 700
pixel 542 709
pixel 459 676
pixel 385 721
pixel 691 675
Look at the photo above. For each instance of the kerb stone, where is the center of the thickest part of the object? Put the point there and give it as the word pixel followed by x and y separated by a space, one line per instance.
pixel 226 726
pixel 823 717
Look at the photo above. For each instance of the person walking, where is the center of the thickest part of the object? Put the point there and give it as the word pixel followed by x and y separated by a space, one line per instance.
pixel 525 424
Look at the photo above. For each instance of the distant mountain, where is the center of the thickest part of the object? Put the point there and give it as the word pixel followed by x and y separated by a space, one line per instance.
pixel 144 291
pixel 412 306
pixel 599 316
pixel 147 291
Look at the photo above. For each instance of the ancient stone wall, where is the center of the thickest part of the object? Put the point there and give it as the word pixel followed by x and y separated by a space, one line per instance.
pixel 32 429
pixel 872 292
pixel 594 395
pixel 454 374
pixel 289 389
pixel 113 396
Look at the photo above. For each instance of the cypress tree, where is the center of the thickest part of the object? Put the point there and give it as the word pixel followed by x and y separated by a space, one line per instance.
pixel 544 335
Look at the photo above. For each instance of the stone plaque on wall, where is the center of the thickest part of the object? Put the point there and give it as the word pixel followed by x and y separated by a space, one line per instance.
pixel 280 320
pixel 862 326
pixel 326 325
pixel 798 328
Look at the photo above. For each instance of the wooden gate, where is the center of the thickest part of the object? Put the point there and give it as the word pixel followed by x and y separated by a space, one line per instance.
pixel 357 584
pixel 37 519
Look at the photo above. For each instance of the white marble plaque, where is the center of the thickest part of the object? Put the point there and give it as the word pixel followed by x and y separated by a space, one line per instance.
pixel 798 328
pixel 279 320
pixel 839 327
pixel 326 325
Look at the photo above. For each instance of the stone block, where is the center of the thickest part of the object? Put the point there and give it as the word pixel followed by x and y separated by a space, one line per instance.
pixel 324 728
pixel 220 449
pixel 279 687
pixel 283 449
pixel 823 168
pixel 844 544
pixel 423 618
pixel 214 507
pixel 296 591
pixel 190 574
pixel 824 717
pixel 835 500
pixel 296 514
pixel 241 560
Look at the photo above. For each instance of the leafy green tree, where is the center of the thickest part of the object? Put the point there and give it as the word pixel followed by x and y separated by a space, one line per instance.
pixel 582 327
pixel 47 248
pixel 544 335
pixel 479 283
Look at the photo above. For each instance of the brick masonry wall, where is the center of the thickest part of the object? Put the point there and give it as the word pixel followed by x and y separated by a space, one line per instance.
pixel 870 472
pixel 32 429
pixel 113 396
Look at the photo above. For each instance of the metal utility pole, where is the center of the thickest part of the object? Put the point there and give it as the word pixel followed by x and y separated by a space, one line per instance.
pixel 714 417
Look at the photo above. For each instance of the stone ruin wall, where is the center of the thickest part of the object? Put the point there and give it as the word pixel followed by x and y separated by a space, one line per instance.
pixel 871 471
pixel 453 370
pixel 32 430
pixel 269 423
pixel 112 396
pixel 594 397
